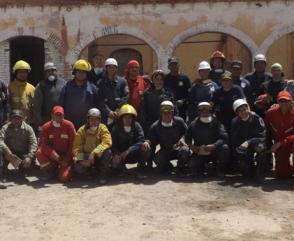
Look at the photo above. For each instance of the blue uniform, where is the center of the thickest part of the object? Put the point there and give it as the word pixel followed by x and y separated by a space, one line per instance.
pixel 252 131
pixel 77 100
pixel 200 133
pixel 201 91
pixel 180 85
pixel 223 104
pixel 112 95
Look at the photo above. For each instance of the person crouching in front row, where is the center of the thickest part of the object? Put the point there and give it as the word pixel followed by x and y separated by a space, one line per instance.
pixel 91 148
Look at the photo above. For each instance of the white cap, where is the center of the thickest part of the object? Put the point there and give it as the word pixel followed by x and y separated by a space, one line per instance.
pixel 238 103
pixel 277 66
pixel 204 65
pixel 259 57
pixel 49 65
pixel 204 104
pixel 111 61
pixel 166 105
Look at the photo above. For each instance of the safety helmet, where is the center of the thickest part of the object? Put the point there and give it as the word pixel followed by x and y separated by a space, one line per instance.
pixel 204 105
pixel 21 65
pixel 277 66
pixel 259 57
pixel 238 103
pixel 204 65
pixel 111 61
pixel 127 109
pixel 49 65
pixel 218 54
pixel 83 65
pixel 166 106
pixel 94 112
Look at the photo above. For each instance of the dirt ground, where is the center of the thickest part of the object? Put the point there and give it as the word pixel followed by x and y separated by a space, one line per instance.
pixel 159 208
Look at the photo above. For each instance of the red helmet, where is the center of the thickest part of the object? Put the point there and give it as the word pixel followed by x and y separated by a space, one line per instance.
pixel 218 54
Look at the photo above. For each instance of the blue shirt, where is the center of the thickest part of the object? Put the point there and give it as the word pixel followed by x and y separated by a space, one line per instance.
pixel 77 100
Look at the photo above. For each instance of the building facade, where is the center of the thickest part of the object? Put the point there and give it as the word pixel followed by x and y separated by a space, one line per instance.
pixel 148 30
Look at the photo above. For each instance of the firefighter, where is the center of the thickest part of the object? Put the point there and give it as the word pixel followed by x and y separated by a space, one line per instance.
pixel 152 98
pixel 217 63
pixel 136 84
pixel 113 92
pixel 257 78
pixel 168 132
pixel 223 99
pixel 18 143
pixel 21 92
pixel 208 142
pixel 279 122
pixel 180 85
pixel 202 90
pixel 47 94
pixel 96 73
pixel 128 137
pixel 236 70
pixel 55 148
pixel 78 95
pixel 248 140
pixel 91 147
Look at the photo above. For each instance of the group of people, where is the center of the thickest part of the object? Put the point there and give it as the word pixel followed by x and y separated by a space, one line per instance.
pixel 97 122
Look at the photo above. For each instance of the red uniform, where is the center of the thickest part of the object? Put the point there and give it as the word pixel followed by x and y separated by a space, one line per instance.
pixel 136 87
pixel 57 140
pixel 280 128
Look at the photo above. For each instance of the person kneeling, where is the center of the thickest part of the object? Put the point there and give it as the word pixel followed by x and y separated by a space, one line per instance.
pixel 55 150
pixel 248 140
pixel 207 139
pixel 128 137
pixel 92 145
pixel 18 144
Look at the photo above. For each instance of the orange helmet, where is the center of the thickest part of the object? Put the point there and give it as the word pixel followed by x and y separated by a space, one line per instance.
pixel 218 54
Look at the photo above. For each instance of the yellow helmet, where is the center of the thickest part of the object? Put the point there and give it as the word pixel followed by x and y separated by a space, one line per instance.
pixel 21 65
pixel 127 109
pixel 82 64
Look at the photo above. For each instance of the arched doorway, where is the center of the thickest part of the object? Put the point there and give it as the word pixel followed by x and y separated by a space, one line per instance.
pixel 200 47
pixel 30 49
pixel 123 47
pixel 281 51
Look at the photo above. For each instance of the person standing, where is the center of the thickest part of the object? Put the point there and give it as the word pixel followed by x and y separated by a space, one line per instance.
pixel 47 94
pixel 78 95
pixel 20 92
pixel 180 85
pixel 113 92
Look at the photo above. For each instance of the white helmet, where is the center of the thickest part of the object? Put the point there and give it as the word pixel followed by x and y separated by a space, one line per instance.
pixel 111 61
pixel 259 57
pixel 204 105
pixel 238 103
pixel 277 66
pixel 166 106
pixel 49 65
pixel 94 112
pixel 204 65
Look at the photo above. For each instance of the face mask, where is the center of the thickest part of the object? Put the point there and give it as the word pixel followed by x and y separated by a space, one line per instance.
pixel 97 70
pixel 164 124
pixel 127 128
pixel 245 119
pixel 55 124
pixel 51 78
pixel 205 81
pixel 93 128
pixel 206 119
pixel 218 71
